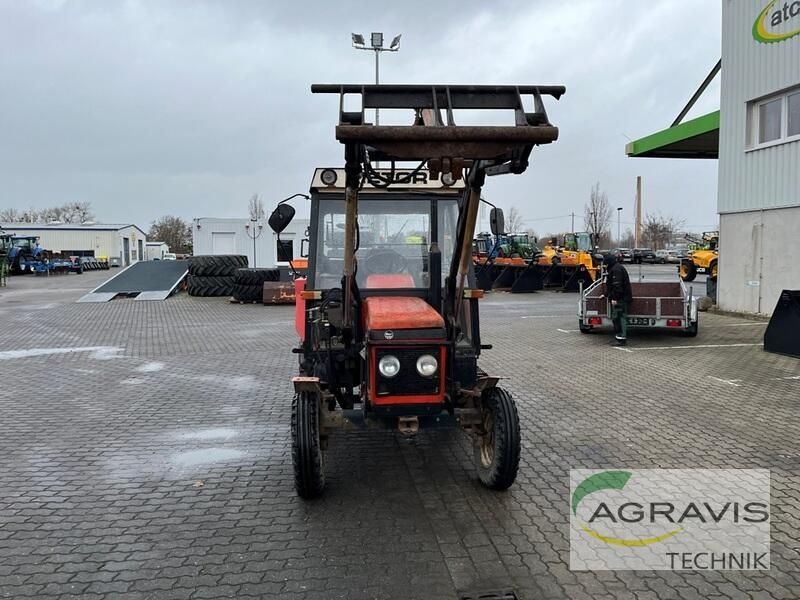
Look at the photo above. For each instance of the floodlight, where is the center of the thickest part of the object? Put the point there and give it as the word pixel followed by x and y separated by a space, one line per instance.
pixel 358 39
pixel 377 39
pixel 395 42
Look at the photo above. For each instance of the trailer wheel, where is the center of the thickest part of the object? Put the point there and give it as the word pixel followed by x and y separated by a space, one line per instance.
pixel 584 328
pixel 497 452
pixel 692 330
pixel 307 458
pixel 687 270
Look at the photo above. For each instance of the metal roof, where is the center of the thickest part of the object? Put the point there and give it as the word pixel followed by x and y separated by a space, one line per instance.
pixel 697 138
pixel 71 226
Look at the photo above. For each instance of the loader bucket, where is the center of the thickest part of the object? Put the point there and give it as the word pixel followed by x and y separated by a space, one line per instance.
pixel 483 276
pixel 783 332
pixel 578 276
pixel 529 280
pixel 506 278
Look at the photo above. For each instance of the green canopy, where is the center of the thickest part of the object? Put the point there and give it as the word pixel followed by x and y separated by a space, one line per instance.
pixel 698 138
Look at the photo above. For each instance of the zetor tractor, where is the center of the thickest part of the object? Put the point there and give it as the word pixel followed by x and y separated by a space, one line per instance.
pixel 388 319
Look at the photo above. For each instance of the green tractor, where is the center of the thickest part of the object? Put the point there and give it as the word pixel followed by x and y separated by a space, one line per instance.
pixel 516 245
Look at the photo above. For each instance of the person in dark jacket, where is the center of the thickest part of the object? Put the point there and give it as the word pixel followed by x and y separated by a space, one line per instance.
pixel 618 286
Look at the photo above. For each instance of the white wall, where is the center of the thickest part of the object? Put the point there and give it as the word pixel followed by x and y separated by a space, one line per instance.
pixel 758 258
pixel 223 236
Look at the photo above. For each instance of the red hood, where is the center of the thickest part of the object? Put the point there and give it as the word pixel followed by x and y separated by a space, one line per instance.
pixel 399 312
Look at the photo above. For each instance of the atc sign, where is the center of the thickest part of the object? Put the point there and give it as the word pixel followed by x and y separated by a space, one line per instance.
pixel 776 23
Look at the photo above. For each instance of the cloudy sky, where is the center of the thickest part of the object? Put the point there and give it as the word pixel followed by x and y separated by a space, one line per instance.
pixel 146 108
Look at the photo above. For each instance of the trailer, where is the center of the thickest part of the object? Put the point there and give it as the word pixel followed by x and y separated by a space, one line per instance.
pixel 668 305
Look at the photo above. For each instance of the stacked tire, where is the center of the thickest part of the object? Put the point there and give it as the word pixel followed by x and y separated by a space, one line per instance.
pixel 213 275
pixel 249 284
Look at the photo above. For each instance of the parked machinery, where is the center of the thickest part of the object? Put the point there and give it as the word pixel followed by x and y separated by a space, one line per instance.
pixel 703 257
pixel 5 244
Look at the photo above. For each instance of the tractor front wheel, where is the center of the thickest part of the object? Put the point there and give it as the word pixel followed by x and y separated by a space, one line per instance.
pixel 497 452
pixel 687 270
pixel 307 458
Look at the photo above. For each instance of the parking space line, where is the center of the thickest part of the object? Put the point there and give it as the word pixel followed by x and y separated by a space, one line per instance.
pixel 746 324
pixel 568 330
pixel 695 346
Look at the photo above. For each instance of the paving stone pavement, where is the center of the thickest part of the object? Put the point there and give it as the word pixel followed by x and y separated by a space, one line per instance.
pixel 151 461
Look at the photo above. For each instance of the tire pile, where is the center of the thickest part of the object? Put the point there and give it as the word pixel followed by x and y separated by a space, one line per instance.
pixel 213 275
pixel 249 284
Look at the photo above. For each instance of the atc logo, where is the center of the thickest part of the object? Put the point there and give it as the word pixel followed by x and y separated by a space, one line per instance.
pixel 666 519
pixel 777 24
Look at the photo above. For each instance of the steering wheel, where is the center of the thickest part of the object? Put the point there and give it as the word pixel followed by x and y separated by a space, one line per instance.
pixel 385 262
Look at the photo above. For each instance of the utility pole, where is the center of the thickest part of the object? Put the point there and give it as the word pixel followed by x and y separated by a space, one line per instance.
pixel 376 45
pixel 619 229
pixel 254 233
pixel 638 210
pixel 573 222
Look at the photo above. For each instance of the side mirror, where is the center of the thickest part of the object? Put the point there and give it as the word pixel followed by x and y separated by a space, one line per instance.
pixel 497 222
pixel 304 248
pixel 281 217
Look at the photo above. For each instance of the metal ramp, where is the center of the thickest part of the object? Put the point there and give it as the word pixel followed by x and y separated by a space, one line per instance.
pixel 146 280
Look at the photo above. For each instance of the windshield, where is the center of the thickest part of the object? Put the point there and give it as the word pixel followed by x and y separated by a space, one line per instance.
pixel 394 239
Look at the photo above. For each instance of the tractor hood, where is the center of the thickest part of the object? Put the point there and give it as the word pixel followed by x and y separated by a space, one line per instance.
pixel 401 317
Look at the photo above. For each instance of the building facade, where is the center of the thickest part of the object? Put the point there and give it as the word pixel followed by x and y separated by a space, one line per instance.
pixel 121 244
pixel 759 154
pixel 235 236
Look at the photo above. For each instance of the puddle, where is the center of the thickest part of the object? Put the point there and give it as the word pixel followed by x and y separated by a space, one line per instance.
pixel 150 367
pixel 131 381
pixel 210 434
pixel 96 352
pixel 194 458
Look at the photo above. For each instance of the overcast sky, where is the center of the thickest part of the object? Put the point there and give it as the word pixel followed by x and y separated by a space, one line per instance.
pixel 146 108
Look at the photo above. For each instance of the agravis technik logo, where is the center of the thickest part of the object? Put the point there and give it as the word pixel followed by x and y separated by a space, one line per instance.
pixel 669 519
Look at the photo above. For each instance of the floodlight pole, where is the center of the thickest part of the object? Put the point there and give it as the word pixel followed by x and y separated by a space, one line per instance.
pixel 257 230
pixel 376 45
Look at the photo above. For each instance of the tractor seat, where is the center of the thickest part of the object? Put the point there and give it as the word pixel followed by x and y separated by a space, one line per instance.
pixel 389 281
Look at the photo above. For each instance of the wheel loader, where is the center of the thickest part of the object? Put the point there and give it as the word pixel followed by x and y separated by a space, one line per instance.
pixel 703 257
pixel 389 323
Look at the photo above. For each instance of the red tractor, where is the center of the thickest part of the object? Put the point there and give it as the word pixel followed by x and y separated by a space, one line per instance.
pixel 388 317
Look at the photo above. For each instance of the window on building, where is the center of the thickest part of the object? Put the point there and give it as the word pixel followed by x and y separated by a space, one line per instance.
pixel 769 121
pixel 774 120
pixel 285 250
pixel 793 114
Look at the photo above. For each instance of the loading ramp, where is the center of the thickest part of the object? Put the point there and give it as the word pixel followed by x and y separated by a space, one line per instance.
pixel 146 280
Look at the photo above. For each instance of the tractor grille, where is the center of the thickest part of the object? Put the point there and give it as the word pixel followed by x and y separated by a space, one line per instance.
pixel 408 382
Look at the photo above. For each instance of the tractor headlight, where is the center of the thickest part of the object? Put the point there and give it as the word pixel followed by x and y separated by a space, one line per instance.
pixel 389 366
pixel 427 365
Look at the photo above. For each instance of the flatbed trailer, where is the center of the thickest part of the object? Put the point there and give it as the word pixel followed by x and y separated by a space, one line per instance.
pixel 668 305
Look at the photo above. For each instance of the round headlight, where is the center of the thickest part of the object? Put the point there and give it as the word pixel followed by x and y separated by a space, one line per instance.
pixel 328 176
pixel 389 366
pixel 448 179
pixel 427 365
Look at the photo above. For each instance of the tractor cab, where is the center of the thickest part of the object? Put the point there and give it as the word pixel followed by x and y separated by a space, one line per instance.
pixel 22 248
pixel 388 315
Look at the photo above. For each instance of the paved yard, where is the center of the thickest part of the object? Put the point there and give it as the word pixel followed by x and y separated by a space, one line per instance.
pixel 144 454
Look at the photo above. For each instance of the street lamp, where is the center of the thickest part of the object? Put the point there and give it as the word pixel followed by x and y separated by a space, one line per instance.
pixel 254 233
pixel 376 45
pixel 619 235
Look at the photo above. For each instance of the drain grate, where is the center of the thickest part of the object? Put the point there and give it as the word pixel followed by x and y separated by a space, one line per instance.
pixel 506 594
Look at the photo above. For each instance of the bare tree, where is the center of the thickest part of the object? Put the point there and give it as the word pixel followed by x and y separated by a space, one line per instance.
pixel 256 208
pixel 659 231
pixel 513 220
pixel 9 215
pixel 597 213
pixel 176 232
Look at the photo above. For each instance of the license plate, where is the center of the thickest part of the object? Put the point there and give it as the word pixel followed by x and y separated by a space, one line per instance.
pixel 638 321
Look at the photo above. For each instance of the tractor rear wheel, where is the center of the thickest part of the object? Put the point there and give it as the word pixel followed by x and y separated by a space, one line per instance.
pixel 687 270
pixel 497 452
pixel 307 457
